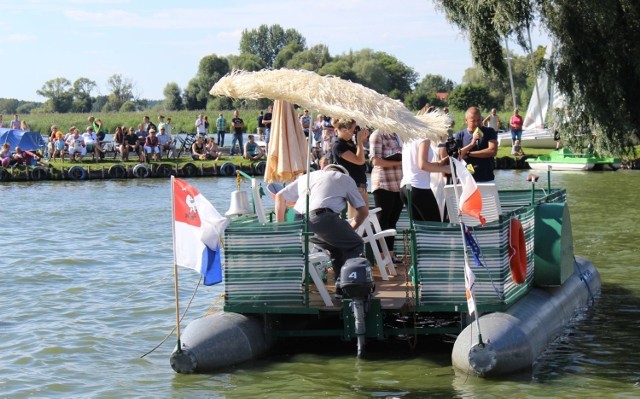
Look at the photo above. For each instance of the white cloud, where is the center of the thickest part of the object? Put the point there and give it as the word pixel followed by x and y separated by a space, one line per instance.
pixel 17 38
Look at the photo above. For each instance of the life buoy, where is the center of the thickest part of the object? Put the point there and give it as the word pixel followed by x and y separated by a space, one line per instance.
pixel 141 170
pixel 5 175
pixel 517 252
pixel 117 172
pixel 38 173
pixel 189 170
pixel 77 173
pixel 164 170
pixel 260 167
pixel 227 169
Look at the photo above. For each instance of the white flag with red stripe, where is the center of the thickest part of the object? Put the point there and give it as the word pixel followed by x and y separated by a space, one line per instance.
pixel 470 199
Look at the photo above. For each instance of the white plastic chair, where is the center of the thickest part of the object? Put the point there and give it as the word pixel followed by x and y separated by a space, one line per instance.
pixel 372 234
pixel 318 257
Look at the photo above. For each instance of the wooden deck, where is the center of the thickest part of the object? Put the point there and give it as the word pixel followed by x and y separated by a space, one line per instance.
pixel 392 293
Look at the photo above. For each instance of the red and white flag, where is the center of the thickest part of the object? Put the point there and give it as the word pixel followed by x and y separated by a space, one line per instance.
pixel 470 199
pixel 197 230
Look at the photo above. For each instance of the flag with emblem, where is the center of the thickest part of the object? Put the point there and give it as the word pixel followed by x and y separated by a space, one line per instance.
pixel 469 283
pixel 197 227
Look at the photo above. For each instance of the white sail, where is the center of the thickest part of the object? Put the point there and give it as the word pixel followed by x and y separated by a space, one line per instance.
pixel 548 93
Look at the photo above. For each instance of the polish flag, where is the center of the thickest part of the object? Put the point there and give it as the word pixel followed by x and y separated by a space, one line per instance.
pixel 470 199
pixel 197 229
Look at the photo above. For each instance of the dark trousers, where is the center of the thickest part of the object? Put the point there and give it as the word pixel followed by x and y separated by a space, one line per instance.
pixel 221 139
pixel 424 206
pixel 336 236
pixel 390 204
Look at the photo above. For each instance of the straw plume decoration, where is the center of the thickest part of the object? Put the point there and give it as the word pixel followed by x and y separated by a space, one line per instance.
pixel 331 96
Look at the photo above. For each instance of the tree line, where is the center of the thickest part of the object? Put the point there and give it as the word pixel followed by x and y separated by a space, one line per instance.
pixel 275 47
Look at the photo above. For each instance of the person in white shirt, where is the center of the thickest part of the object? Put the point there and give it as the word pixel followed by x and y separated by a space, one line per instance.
pixel 91 142
pixel 200 128
pixel 77 147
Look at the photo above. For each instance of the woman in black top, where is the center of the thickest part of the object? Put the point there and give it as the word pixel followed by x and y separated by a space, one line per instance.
pixel 351 155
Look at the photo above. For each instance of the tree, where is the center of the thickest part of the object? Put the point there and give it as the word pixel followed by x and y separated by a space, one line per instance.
pixel 246 62
pixel 310 60
pixel 59 95
pixel 589 37
pixel 82 101
pixel 128 106
pixel 286 54
pixel 8 106
pixel 210 69
pixel 267 41
pixel 425 91
pixel 121 91
pixel 465 96
pixel 172 97
pixel 191 100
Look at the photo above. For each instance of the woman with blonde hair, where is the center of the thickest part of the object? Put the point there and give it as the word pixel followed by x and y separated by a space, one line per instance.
pixel 351 155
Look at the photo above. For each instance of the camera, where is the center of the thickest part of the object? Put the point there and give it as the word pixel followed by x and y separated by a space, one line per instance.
pixel 453 146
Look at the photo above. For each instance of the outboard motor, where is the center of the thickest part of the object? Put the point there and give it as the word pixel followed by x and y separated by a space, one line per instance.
pixel 356 282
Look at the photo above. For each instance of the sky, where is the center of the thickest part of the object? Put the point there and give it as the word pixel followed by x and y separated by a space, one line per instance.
pixel 153 43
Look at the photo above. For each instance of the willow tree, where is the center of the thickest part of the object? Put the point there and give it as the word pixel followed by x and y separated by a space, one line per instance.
pixel 597 62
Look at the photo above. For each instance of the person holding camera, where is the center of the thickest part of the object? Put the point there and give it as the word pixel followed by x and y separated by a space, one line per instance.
pixel 351 155
pixel 479 146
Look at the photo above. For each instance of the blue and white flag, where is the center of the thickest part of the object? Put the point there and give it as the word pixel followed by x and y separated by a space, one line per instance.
pixel 197 230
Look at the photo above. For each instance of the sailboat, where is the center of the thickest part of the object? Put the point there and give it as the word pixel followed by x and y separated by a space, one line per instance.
pixel 535 133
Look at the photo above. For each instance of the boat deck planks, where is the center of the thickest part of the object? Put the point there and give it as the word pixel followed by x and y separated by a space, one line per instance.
pixel 392 293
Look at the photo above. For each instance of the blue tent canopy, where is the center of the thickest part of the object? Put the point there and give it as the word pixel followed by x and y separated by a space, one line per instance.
pixel 28 141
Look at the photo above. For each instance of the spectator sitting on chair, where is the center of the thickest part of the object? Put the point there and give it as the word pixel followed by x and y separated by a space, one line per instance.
pixel 76 145
pixel 198 151
pixel 58 146
pixel 130 144
pixel 251 150
pixel 166 142
pixel 91 143
pixel 152 146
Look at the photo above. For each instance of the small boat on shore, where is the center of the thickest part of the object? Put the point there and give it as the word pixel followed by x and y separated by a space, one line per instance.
pixel 528 287
pixel 565 160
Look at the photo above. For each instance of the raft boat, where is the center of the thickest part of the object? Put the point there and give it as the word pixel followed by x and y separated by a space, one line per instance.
pixel 565 160
pixel 528 287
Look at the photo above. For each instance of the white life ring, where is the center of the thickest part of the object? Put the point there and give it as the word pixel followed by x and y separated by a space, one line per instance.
pixel 141 170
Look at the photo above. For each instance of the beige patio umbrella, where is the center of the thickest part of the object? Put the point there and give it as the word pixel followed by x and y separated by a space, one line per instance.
pixel 287 152
pixel 332 96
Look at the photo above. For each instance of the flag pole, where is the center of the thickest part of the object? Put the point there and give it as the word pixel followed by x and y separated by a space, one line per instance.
pixel 175 264
pixel 464 243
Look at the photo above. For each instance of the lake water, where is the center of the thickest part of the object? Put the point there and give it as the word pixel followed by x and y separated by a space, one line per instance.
pixel 87 288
